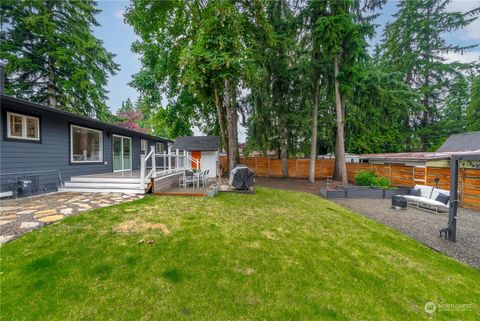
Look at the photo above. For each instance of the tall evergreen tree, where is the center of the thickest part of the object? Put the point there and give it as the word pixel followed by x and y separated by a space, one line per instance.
pixel 414 45
pixel 344 42
pixel 52 56
pixel 127 106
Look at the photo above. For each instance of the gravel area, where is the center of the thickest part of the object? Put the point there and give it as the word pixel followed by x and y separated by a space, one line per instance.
pixel 425 226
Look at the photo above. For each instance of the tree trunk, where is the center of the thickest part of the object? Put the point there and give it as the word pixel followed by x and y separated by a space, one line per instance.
pixel 221 119
pixel 313 147
pixel 231 125
pixel 283 144
pixel 315 93
pixel 340 170
pixel 52 92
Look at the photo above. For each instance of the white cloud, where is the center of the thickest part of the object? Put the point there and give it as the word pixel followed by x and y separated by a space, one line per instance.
pixel 119 14
pixel 467 57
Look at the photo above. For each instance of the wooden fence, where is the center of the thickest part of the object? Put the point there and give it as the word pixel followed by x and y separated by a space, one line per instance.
pixel 399 175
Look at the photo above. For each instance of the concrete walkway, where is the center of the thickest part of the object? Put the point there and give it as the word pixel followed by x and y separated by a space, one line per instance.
pixel 25 214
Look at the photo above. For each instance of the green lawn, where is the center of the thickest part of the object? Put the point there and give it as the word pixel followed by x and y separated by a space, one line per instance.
pixel 276 255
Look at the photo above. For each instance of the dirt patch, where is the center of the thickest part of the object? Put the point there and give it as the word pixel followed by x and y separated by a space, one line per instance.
pixel 253 245
pixel 299 185
pixel 269 235
pixel 136 226
pixel 246 271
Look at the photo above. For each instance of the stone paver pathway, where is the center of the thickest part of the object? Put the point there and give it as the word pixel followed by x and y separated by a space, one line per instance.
pixel 25 214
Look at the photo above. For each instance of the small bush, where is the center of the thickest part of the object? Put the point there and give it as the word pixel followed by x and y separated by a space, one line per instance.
pixel 383 182
pixel 365 178
pixel 369 178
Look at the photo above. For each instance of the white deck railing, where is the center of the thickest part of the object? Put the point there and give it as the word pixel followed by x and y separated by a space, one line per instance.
pixel 171 162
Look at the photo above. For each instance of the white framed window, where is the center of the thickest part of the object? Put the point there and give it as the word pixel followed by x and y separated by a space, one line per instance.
pixel 143 145
pixel 21 126
pixel 86 145
pixel 159 147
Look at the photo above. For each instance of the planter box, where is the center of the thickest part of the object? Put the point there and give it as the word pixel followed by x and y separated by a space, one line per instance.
pixel 389 193
pixel 364 192
pixel 332 194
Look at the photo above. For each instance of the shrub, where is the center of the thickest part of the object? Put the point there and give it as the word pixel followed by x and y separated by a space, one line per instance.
pixel 369 178
pixel 383 182
pixel 365 178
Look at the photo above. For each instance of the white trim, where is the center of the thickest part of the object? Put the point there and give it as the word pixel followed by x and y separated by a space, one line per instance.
pixel 143 148
pixel 131 152
pixel 24 127
pixel 100 146
pixel 162 149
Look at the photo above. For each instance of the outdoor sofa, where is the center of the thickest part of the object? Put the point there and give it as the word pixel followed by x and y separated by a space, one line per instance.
pixel 430 198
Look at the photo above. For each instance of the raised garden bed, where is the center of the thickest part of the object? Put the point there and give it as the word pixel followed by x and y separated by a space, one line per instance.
pixel 363 192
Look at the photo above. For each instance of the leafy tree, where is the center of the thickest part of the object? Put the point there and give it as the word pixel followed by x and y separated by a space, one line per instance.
pixel 473 108
pixel 201 49
pixel 414 45
pixel 52 56
pixel 131 120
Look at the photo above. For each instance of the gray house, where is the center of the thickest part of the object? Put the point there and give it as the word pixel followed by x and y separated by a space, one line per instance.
pixel 45 149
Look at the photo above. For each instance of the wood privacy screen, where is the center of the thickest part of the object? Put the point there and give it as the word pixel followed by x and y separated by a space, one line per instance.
pixel 399 175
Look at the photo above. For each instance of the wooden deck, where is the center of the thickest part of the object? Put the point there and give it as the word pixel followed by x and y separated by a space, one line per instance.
pixel 126 181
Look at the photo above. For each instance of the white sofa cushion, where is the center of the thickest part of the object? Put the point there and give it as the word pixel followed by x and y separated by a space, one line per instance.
pixel 437 191
pixel 426 202
pixel 425 191
pixel 432 203
pixel 413 198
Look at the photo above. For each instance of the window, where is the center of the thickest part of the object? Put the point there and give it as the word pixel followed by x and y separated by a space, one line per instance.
pixel 23 127
pixel 143 145
pixel 159 147
pixel 86 145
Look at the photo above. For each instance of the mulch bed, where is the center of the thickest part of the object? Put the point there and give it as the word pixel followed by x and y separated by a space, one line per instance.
pixel 298 185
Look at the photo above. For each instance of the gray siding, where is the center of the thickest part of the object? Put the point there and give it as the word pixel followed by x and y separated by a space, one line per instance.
pixel 53 152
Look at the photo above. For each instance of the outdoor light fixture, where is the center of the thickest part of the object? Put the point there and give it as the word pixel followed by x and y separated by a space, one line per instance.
pixel 437 179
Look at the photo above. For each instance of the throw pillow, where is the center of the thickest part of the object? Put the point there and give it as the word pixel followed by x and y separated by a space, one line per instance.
pixel 416 192
pixel 443 198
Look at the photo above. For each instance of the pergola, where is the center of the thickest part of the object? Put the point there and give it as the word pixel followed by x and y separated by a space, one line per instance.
pixel 452 217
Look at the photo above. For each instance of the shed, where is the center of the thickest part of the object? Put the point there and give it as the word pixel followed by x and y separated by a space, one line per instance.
pixel 205 149
pixel 463 142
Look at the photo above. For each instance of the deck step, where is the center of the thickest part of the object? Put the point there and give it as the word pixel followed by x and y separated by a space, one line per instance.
pixel 101 190
pixel 95 185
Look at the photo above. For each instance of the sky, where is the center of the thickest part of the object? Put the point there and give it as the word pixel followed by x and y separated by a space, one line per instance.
pixel 118 37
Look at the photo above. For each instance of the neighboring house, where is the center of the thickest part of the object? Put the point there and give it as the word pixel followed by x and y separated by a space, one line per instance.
pixel 41 147
pixel 457 144
pixel 463 142
pixel 204 149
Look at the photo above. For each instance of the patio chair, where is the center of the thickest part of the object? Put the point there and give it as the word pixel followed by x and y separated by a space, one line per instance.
pixel 182 182
pixel 204 178
pixel 191 178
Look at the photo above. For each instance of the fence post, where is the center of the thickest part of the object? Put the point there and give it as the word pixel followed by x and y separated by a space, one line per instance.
pixel 154 163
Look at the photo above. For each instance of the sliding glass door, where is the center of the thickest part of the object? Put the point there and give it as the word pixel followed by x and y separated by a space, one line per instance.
pixel 122 153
